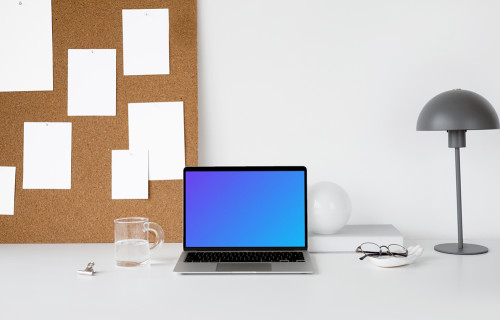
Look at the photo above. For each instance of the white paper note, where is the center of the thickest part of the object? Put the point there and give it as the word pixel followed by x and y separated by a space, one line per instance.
pixel 129 174
pixel 91 82
pixel 7 189
pixel 25 45
pixel 145 42
pixel 47 155
pixel 159 128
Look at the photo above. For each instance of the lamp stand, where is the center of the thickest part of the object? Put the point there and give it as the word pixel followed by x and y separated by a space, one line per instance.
pixel 456 139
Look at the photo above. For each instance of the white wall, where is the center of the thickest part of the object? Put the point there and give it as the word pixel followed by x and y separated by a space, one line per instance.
pixel 338 86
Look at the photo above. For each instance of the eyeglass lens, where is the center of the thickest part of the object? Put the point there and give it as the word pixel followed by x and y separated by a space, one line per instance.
pixel 369 247
pixel 396 249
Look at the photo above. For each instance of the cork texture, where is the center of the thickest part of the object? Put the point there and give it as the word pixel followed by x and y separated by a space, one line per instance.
pixel 86 212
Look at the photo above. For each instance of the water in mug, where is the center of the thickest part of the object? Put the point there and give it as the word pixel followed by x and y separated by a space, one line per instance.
pixel 131 251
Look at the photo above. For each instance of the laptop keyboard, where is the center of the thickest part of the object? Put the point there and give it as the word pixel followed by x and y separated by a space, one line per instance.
pixel 245 256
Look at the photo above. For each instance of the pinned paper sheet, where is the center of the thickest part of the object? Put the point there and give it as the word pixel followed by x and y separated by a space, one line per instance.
pixel 25 45
pixel 47 155
pixel 7 189
pixel 129 174
pixel 159 128
pixel 146 42
pixel 91 82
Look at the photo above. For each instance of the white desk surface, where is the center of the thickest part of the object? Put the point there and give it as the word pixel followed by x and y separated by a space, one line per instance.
pixel 39 281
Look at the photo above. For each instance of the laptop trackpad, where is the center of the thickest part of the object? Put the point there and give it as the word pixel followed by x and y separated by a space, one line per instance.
pixel 243 267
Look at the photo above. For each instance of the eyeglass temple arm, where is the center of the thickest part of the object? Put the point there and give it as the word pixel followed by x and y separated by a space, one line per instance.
pixel 371 253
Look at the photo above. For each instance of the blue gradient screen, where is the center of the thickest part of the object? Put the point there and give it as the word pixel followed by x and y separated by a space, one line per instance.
pixel 245 209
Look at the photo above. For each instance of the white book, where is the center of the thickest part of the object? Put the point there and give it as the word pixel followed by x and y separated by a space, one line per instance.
pixel 351 236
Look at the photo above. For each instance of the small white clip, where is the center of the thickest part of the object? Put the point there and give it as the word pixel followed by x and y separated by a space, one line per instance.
pixel 20 3
pixel 89 271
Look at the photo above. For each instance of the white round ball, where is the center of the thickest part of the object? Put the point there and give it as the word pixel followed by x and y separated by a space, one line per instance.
pixel 329 208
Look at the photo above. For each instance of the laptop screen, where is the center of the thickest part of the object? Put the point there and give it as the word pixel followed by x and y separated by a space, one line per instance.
pixel 245 207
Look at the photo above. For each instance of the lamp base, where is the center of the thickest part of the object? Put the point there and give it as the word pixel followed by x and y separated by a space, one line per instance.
pixel 468 249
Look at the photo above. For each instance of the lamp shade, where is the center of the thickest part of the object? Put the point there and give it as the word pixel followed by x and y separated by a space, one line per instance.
pixel 457 110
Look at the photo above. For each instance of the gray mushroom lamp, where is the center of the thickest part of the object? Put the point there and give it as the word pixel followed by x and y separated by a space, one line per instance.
pixel 457 111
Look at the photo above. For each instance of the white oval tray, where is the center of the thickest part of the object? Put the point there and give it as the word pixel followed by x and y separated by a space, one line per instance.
pixel 414 252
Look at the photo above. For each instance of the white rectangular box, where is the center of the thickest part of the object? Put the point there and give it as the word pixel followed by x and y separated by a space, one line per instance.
pixel 351 236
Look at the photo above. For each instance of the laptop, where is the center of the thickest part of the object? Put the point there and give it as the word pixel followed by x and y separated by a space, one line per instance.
pixel 245 220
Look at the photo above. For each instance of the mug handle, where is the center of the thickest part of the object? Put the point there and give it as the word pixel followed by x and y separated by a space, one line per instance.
pixel 158 231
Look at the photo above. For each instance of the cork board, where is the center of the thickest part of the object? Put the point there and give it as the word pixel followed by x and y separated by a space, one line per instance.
pixel 86 212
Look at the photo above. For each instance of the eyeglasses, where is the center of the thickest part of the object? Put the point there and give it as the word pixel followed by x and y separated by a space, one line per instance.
pixel 370 249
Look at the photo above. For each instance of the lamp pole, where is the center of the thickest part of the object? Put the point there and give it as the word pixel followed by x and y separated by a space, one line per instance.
pixel 456 140
pixel 459 199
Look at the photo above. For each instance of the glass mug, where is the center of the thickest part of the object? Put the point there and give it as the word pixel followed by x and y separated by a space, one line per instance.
pixel 132 246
